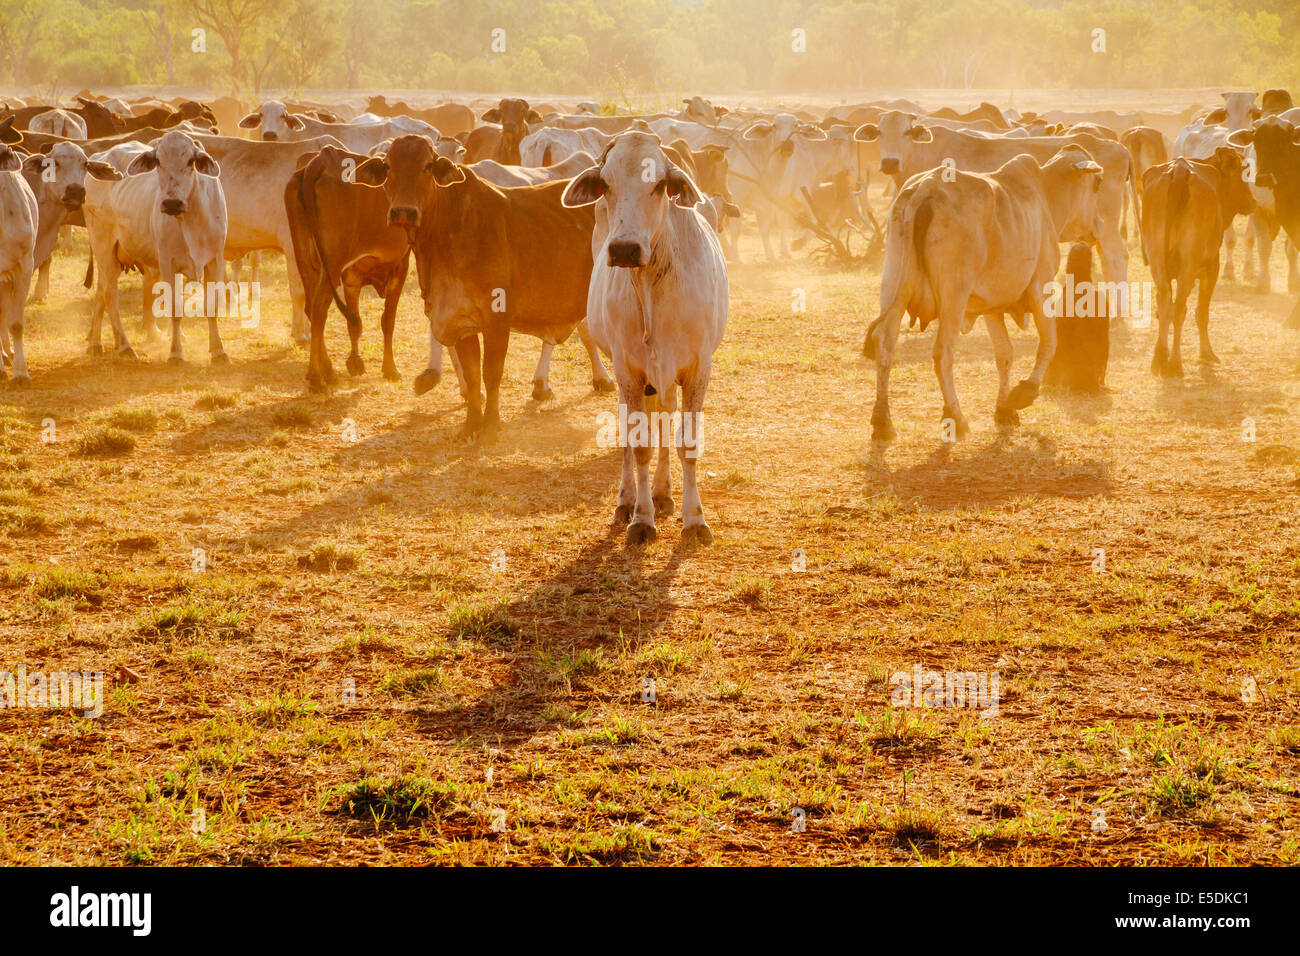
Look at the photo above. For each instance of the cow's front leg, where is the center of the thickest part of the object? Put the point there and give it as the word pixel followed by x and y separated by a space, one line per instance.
pixel 432 373
pixel 388 322
pixel 11 314
pixel 1260 231
pixel 661 408
pixel 542 376
pixel 1003 354
pixel 42 281
pixel 214 276
pixel 467 350
pixel 642 527
pixel 496 341
pixel 600 379
pixel 689 446
pixel 1229 254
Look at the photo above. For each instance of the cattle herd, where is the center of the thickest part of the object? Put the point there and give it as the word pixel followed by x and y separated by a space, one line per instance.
pixel 529 218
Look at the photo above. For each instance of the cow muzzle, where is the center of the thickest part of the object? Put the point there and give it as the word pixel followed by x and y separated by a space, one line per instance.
pixel 173 207
pixel 73 197
pixel 407 217
pixel 269 137
pixel 889 165
pixel 626 255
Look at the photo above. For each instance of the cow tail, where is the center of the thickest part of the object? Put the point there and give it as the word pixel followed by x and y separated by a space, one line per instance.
pixel 1131 175
pixel 909 220
pixel 89 280
pixel 1179 192
pixel 307 197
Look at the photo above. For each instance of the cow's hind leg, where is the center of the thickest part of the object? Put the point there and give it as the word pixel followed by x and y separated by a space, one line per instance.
pixel 1164 319
pixel 352 298
pixel 320 374
pixel 1174 367
pixel 12 316
pixel 1003 354
pixel 945 342
pixel 541 377
pixel 1023 395
pixel 1204 291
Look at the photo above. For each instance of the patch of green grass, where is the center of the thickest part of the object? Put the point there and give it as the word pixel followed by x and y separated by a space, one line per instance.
pixel 190 619
pixel 331 556
pixel 410 683
pixel 22 520
pixel 484 622
pixel 398 799
pixel 628 844
pixel 214 399
pixel 66 583
pixel 104 441
pixel 280 710
pixel 139 420
pixel 751 591
pixel 1177 792
pixel 292 416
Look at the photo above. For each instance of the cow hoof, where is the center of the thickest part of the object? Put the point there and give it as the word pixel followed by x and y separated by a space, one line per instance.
pixel 426 380
pixel 391 374
pixel 1264 287
pixel 1006 416
pixel 329 376
pixel 95 350
pixel 664 505
pixel 221 359
pixel 175 360
pixel 1172 369
pixel 21 380
pixel 126 354
pixel 622 514
pixel 960 425
pixel 541 391
pixel 356 366
pixel 697 534
pixel 883 431
pixel 1022 396
pixel 1209 358
pixel 603 385
pixel 302 338
pixel 314 384
pixel 640 532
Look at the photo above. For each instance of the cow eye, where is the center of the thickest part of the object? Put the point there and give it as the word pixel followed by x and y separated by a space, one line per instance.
pixel 428 167
pixel 661 186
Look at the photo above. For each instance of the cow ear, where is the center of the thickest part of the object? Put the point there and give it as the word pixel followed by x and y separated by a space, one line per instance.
pixel 447 173
pixel 10 162
pixel 731 210
pixel 100 170
pixel 1215 117
pixel 533 117
pixel 1241 138
pixel 584 189
pixel 681 189
pixel 493 115
pixel 867 133
pixel 373 172
pixel 720 111
pixel 920 134
pixel 1256 113
pixel 206 165
pixel 143 163
pixel 293 121
pixel 251 121
pixel 758 131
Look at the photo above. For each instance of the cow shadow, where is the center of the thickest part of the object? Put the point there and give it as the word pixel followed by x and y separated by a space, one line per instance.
pixel 571 605
pixel 1013 464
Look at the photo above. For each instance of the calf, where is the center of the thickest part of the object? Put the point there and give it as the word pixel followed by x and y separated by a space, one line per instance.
pixel 490 261
pixel 167 218
pixel 18 223
pixel 509 121
pixel 275 123
pixel 963 244
pixel 658 305
pixel 1186 204
pixel 341 236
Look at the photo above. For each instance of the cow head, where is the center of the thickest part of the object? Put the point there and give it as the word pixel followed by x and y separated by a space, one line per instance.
pixel 1071 180
pixel 637 182
pixel 711 169
pixel 100 120
pixel 514 115
pixel 898 134
pixel 409 174
pixel 10 161
pixel 274 120
pixel 697 109
pixel 1235 197
pixel 177 160
pixel 60 172
pixel 1277 149
pixel 1237 112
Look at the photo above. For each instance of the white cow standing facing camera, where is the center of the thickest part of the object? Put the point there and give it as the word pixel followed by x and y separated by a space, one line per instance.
pixel 657 304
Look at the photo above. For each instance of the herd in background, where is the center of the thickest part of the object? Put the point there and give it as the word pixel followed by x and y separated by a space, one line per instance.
pixel 530 218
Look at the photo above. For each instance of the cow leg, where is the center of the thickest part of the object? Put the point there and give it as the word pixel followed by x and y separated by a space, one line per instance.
pixel 176 289
pixel 945 340
pixel 1023 395
pixel 299 328
pixel 148 317
pixel 1229 255
pixel 1259 237
pixel 1174 368
pixel 320 373
pixel 882 337
pixel 388 322
pixel 432 373
pixel 215 271
pixel 496 342
pixel 352 298
pixel 42 281
pixel 467 350
pixel 11 314
pixel 1292 273
pixel 641 529
pixel 765 216
pixel 1113 253
pixel 600 379
pixel 694 527
pixel 1003 354
pixel 111 301
pixel 1204 291
pixel 541 377
pixel 661 408
pixel 1164 317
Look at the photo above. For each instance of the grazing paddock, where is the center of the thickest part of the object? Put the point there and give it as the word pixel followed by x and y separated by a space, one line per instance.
pixel 404 649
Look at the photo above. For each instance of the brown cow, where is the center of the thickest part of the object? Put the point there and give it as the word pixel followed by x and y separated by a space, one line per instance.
pixel 1147 147
pixel 490 261
pixel 451 119
pixel 500 141
pixel 341 235
pixel 1082 342
pixel 1186 206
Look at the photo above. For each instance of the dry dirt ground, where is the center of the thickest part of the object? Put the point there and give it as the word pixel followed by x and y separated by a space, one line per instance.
pixel 407 650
